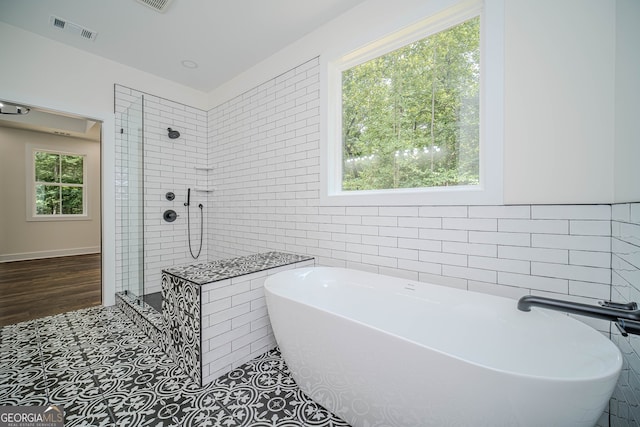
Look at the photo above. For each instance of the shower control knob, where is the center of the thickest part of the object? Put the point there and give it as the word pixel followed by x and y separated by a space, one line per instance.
pixel 170 195
pixel 169 215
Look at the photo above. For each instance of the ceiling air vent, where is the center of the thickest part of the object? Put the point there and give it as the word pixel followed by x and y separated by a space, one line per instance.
pixel 157 5
pixel 57 22
pixel 87 34
pixel 71 28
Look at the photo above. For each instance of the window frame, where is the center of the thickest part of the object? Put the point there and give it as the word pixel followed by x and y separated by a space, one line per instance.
pixel 31 208
pixel 489 191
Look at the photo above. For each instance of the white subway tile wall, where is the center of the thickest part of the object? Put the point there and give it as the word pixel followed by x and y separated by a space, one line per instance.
pixel 259 153
pixel 235 323
pixel 264 147
pixel 170 165
pixel 625 241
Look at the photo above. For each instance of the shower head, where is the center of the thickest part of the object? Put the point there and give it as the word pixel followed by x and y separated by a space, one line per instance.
pixel 173 134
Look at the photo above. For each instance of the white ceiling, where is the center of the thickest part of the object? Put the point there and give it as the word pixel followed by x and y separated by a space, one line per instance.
pixel 224 37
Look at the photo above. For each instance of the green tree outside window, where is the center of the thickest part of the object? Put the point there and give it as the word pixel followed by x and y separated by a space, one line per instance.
pixel 411 118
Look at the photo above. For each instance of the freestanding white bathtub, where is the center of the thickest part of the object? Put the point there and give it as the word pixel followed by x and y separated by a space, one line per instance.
pixel 382 351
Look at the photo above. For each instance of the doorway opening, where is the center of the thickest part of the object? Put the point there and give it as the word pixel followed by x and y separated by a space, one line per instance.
pixel 50 227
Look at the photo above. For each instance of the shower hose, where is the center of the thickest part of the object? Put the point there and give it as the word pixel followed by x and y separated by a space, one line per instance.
pixel 189 231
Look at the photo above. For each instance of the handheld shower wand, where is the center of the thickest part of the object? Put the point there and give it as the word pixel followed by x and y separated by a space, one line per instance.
pixel 187 204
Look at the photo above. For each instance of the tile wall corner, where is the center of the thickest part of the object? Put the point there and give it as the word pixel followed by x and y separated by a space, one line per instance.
pixel 624 407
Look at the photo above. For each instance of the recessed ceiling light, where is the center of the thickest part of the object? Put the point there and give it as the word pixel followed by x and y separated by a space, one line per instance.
pixel 187 63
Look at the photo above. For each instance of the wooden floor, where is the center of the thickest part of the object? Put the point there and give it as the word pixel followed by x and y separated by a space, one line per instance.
pixel 38 288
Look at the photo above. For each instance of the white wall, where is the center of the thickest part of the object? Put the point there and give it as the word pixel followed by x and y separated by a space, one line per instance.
pixel 627 152
pixel 21 239
pixel 559 101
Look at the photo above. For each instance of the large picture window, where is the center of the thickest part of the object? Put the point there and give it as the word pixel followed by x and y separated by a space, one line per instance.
pixel 416 116
pixel 411 117
pixel 59 185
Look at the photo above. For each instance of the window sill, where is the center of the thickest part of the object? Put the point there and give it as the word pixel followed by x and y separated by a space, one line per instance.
pixel 59 218
pixel 463 195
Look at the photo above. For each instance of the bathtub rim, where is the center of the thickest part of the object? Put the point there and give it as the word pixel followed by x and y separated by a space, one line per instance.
pixel 614 369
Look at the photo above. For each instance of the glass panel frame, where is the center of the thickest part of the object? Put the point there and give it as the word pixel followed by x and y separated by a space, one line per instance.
pixel 132 198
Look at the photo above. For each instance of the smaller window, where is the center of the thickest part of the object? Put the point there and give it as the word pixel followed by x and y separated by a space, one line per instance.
pixel 58 185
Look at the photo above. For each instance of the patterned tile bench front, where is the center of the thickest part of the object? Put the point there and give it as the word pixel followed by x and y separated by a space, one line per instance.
pixel 214 313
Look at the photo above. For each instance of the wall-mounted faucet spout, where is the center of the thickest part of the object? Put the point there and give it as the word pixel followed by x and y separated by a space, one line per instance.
pixel 606 312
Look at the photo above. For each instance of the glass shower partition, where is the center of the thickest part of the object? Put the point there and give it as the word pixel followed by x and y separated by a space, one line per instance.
pixel 132 198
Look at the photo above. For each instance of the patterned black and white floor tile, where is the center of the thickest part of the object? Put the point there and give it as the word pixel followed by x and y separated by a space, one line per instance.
pixel 106 372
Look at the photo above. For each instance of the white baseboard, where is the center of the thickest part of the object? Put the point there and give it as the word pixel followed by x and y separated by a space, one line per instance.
pixel 49 254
